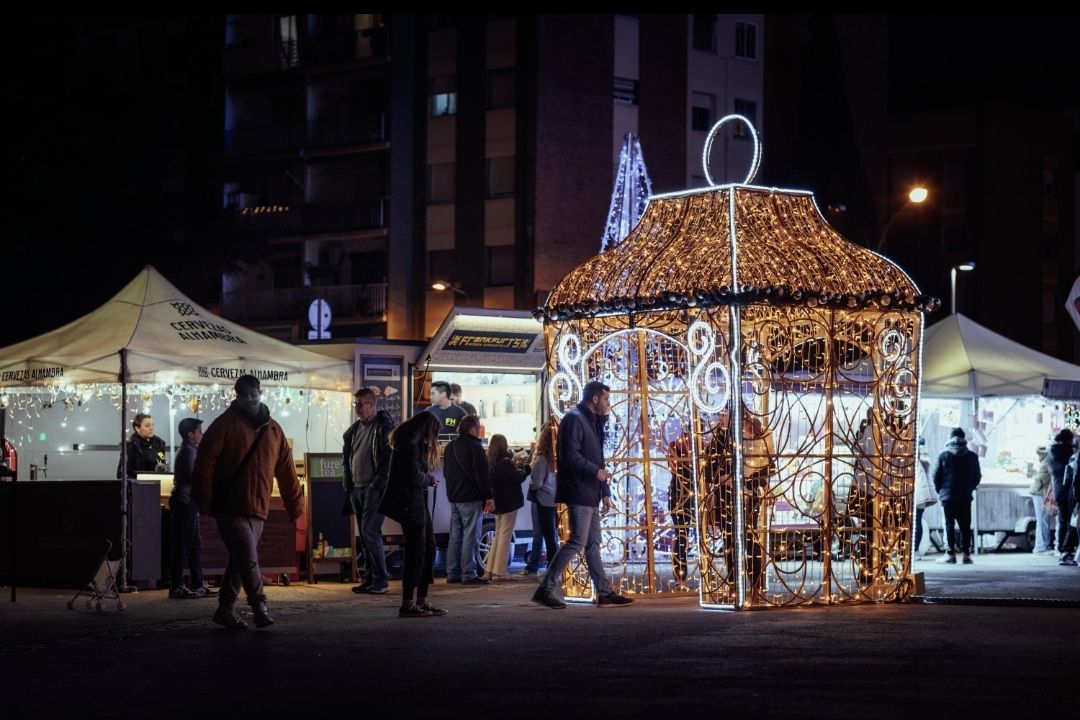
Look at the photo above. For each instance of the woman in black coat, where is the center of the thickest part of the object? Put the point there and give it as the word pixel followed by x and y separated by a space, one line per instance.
pixel 145 450
pixel 415 452
pixel 506 481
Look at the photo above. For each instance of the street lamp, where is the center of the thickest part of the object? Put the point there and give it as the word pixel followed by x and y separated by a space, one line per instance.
pixel 962 267
pixel 917 196
pixel 442 286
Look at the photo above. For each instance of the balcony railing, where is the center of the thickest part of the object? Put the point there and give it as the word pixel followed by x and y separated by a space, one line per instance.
pixel 335 132
pixel 369 45
pixel 342 132
pixel 346 301
pixel 312 219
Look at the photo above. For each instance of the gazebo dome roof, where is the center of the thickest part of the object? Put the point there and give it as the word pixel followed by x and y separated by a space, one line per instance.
pixel 732 244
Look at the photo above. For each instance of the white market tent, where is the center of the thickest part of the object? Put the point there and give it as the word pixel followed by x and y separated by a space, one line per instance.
pixel 150 332
pixel 992 386
pixel 962 359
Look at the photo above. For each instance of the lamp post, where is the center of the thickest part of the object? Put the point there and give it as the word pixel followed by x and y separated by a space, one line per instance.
pixel 962 267
pixel 443 286
pixel 917 196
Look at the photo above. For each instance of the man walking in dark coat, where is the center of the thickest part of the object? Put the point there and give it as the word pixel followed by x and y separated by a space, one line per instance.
pixel 581 482
pixel 955 478
pixel 241 455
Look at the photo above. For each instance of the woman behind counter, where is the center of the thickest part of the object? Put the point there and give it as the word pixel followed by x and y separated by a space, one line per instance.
pixel 145 450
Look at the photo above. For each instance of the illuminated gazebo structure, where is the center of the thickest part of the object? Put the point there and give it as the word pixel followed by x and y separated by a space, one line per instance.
pixel 764 375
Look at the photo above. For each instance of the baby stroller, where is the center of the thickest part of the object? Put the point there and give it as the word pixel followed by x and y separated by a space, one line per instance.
pixel 102 585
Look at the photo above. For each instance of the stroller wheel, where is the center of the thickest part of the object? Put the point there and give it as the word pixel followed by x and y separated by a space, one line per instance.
pixel 97 606
pixel 71 604
pixel 284 579
pixel 120 605
pixel 89 604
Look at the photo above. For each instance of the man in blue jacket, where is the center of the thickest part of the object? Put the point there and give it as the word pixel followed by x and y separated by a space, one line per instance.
pixel 581 482
pixel 955 478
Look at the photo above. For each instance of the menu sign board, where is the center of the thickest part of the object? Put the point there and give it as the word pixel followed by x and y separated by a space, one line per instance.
pixel 382 376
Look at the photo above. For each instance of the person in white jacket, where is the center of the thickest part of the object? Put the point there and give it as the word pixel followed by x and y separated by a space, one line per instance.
pixel 924 495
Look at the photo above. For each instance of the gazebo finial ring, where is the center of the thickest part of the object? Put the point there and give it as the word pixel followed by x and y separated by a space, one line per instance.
pixel 754 162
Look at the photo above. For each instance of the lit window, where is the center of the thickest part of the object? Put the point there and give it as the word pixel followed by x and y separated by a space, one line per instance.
pixel 288 46
pixel 444 104
pixel 625 91
pixel 442 95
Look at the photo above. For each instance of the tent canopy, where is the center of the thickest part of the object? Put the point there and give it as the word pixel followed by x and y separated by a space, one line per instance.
pixel 962 359
pixel 167 339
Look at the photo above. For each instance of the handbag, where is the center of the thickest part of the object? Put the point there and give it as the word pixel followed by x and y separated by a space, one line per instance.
pixel 531 495
pixel 1050 506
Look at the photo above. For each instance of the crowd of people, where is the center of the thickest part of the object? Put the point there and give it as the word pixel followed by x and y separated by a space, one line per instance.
pixel 389 470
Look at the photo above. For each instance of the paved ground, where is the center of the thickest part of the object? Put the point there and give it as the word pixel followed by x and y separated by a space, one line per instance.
pixel 497 654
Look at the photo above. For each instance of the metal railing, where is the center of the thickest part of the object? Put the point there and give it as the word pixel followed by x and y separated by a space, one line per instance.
pixel 350 301
pixel 326 48
pixel 332 132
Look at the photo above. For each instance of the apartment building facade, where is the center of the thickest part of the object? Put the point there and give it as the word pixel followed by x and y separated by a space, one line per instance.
pixel 373 156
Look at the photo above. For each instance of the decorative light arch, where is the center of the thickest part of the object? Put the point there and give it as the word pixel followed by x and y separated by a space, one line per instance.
pixel 739 329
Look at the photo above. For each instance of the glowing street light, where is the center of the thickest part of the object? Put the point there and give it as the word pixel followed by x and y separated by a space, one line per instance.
pixel 917 196
pixel 962 267
pixel 443 286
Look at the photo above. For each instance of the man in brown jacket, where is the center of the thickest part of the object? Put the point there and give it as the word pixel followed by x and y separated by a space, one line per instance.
pixel 240 455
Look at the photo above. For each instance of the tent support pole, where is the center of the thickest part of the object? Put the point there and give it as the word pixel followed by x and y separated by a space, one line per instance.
pixel 121 584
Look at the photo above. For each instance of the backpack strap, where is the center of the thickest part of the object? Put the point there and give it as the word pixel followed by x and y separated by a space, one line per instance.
pixel 251 451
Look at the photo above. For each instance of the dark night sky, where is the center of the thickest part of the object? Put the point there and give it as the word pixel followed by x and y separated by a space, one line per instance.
pixel 109 117
pixel 105 110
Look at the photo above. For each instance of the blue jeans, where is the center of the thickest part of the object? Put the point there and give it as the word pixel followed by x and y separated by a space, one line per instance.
pixel 461 560
pixel 365 503
pixel 543 518
pixel 584 536
pixel 918 527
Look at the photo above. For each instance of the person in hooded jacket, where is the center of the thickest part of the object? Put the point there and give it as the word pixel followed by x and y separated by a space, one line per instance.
pixel 956 476
pixel 1057 460
pixel 240 455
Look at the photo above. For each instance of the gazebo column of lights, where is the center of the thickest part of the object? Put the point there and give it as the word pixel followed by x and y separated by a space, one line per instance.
pixel 764 378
